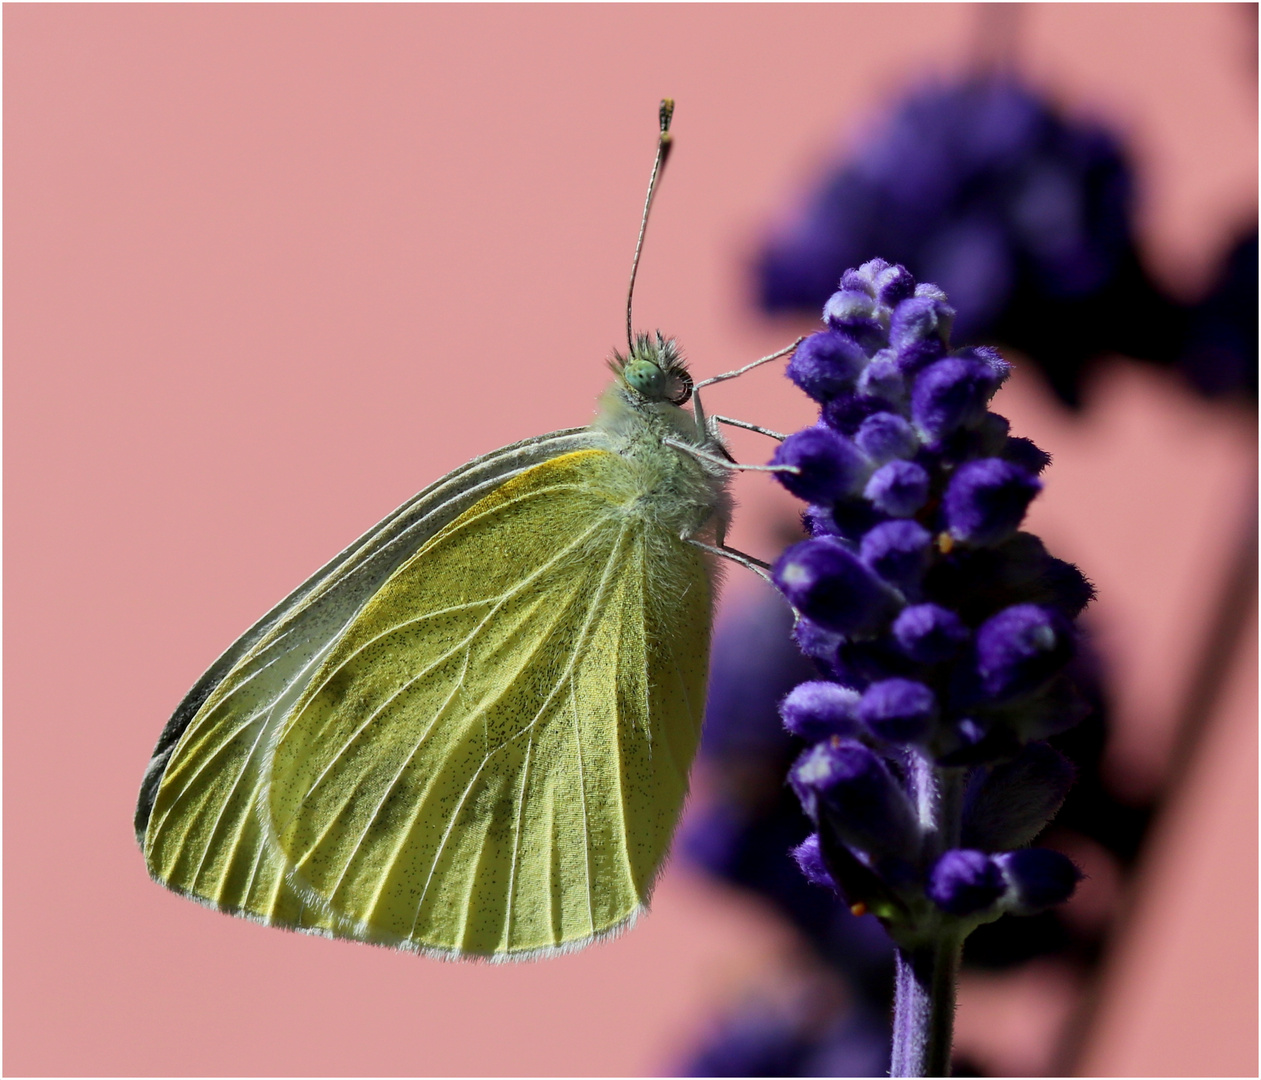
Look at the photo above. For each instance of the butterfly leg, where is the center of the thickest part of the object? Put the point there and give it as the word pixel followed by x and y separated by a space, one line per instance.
pixel 756 565
pixel 778 436
pixel 714 459
pixel 749 367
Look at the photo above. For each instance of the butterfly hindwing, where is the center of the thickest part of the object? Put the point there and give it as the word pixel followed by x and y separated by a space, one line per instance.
pixel 492 758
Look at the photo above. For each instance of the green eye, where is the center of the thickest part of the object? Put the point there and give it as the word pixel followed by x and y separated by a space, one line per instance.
pixel 646 377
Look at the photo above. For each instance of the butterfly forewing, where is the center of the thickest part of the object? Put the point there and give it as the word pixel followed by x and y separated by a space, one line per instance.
pixel 492 758
pixel 197 814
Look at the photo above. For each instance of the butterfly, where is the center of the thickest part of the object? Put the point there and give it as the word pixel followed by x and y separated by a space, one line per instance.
pixel 470 733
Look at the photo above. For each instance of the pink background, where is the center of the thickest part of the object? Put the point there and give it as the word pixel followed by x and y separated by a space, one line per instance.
pixel 270 269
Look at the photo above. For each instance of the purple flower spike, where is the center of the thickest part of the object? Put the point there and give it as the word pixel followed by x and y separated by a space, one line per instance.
pixel 831 467
pixel 987 499
pixel 819 710
pixel 929 634
pixel 964 882
pixel 809 858
pixel 830 585
pixel 951 394
pixel 898 551
pixel 899 488
pixel 1020 648
pixel 1037 878
pixel 943 633
pixel 898 710
pixel 847 785
pixel 884 436
pixel 826 364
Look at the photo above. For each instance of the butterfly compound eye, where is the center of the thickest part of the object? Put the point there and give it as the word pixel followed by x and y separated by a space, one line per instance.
pixel 647 378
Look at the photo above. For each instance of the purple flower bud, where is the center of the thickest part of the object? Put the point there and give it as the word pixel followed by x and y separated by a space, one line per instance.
pixel 1025 454
pixel 1009 804
pixel 816 642
pixel 818 520
pixel 1020 648
pixel 964 882
pixel 899 488
pixel 847 785
pixel 927 290
pixel 892 284
pixel 826 364
pixel 929 634
pixel 888 283
pixel 986 500
pixel 857 314
pixel 989 356
pixel 827 583
pixel 882 379
pixel 847 520
pixel 809 858
pixel 846 412
pixel 919 330
pixel 1037 878
pixel 898 710
pixel 884 436
pixel 817 710
pixel 831 467
pixel 898 551
pixel 859 280
pixel 951 394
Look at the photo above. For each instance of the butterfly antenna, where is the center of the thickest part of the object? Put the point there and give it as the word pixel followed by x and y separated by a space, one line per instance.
pixel 664 114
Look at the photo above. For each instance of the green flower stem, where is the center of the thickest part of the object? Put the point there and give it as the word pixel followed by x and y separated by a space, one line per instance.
pixel 927 969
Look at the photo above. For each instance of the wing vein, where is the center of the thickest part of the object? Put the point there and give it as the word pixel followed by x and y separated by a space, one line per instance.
pixel 496 603
pixel 595 607
pixel 586 824
pixel 376 812
pixel 528 728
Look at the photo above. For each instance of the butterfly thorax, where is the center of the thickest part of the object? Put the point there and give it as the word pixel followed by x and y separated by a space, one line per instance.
pixel 642 409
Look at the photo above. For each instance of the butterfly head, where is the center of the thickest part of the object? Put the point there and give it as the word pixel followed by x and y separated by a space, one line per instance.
pixel 654 369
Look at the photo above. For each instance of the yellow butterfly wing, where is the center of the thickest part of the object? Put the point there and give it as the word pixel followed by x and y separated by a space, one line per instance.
pixel 197 816
pixel 493 757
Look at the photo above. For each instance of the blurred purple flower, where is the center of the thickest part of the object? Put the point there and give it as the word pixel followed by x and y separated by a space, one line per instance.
pixel 1220 357
pixel 1022 216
